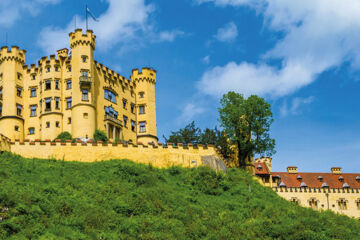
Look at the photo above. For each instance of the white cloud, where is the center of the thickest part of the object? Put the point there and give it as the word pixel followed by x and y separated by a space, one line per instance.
pixel 228 33
pixel 318 35
pixel 122 22
pixel 206 59
pixel 296 106
pixel 11 10
pixel 189 112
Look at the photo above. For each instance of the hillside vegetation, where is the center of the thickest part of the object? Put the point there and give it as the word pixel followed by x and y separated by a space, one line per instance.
pixel 48 199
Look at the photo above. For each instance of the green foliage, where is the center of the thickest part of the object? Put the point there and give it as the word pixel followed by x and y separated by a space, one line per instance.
pixel 218 138
pixel 100 136
pixel 49 199
pixel 247 124
pixel 64 136
pixel 189 134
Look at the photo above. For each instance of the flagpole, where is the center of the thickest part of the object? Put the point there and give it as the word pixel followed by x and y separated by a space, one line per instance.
pixel 86 18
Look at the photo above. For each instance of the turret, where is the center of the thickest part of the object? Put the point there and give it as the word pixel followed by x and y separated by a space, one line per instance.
pixel 145 101
pixel 12 92
pixel 83 69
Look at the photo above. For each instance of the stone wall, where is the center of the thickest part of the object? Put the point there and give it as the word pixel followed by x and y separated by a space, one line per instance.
pixel 4 143
pixel 158 155
pixel 325 198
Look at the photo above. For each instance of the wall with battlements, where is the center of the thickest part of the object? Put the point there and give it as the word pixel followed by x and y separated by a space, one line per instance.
pixel 157 155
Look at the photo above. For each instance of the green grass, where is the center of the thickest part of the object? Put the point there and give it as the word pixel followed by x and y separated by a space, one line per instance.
pixel 116 199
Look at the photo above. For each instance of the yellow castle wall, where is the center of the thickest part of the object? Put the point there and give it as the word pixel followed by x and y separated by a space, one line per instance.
pixel 323 197
pixel 158 156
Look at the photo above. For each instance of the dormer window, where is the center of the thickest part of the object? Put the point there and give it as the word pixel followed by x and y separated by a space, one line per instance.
pixel 282 184
pixel 324 185
pixel 303 184
pixel 341 178
pixel 299 177
pixel 357 178
pixel 259 167
pixel 346 185
pixel 320 178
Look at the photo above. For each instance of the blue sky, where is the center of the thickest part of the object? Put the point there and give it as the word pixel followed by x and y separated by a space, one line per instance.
pixel 302 56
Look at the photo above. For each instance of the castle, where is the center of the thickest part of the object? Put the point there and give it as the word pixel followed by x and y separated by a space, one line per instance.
pixel 336 191
pixel 72 92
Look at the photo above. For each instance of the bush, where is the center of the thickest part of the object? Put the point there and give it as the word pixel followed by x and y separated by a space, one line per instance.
pixel 100 136
pixel 64 136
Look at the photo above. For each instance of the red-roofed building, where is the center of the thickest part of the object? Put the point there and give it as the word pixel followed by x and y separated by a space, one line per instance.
pixel 334 190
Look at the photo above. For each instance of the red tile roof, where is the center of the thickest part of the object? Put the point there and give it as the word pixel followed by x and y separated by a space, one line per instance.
pixel 312 181
pixel 260 168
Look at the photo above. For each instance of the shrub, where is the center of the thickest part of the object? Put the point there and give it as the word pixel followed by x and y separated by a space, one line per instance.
pixel 64 136
pixel 100 136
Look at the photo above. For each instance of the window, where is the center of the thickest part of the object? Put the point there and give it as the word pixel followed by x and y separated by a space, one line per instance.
pixel 47 104
pixel 57 103
pixel 47 124
pixel 1 92
pixel 85 95
pixel 69 120
pixel 69 68
pixel 57 124
pixel 84 73
pixel 33 77
pixel 68 103
pixel 31 131
pixel 84 59
pixel 56 68
pixel 48 85
pixel 16 128
pixel 125 120
pixel 342 203
pixel 294 200
pixel 33 92
pixel 142 109
pixel 56 84
pixel 33 111
pixel 18 109
pixel 141 94
pixel 0 110
pixel 132 106
pixel 19 76
pixel 68 84
pixel 124 103
pixel 313 203
pixel 109 95
pixel 111 112
pixel 358 204
pixel 47 69
pixel 18 91
pixel 142 127
pixel 132 125
pixel 86 115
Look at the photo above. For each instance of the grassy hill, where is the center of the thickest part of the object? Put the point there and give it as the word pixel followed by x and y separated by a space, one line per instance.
pixel 49 199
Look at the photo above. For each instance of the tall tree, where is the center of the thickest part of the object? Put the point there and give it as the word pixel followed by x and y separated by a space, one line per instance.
pixel 247 123
pixel 189 134
pixel 218 138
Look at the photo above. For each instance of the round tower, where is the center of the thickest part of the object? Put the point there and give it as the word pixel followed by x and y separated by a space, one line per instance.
pixel 145 105
pixel 12 92
pixel 83 108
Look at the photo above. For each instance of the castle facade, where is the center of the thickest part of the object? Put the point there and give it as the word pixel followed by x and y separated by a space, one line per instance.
pixel 72 92
pixel 336 191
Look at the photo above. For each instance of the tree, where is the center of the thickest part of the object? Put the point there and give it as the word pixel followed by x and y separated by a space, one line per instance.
pixel 100 136
pixel 247 123
pixel 189 134
pixel 218 138
pixel 64 136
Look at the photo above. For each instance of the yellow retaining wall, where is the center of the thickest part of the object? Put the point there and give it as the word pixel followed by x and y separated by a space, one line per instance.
pixel 157 155
pixel 4 143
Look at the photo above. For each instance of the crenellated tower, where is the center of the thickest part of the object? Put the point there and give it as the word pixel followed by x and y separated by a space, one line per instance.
pixel 12 92
pixel 83 108
pixel 145 103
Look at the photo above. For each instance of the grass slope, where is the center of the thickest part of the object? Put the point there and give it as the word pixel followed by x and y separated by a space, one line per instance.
pixel 49 199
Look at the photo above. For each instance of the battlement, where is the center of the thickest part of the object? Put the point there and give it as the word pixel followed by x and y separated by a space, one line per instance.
pixel 80 38
pixel 13 54
pixel 63 53
pixel 146 74
pixel 113 75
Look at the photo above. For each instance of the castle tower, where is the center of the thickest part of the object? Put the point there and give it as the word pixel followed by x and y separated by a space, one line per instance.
pixel 145 102
pixel 83 94
pixel 12 92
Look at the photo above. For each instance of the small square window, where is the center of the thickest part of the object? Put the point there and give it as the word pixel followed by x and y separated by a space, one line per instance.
pixel 47 124
pixel 84 59
pixel 16 128
pixel 57 124
pixel 141 94
pixel 31 131
pixel 86 115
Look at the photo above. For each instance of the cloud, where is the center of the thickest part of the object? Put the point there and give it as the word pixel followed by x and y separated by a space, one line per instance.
pixel 189 112
pixel 228 33
pixel 125 22
pixel 295 106
pixel 206 59
pixel 12 10
pixel 318 36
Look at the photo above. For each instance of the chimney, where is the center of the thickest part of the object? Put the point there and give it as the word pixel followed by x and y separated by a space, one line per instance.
pixel 292 169
pixel 336 170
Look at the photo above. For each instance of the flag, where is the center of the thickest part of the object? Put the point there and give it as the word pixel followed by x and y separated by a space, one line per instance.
pixel 91 15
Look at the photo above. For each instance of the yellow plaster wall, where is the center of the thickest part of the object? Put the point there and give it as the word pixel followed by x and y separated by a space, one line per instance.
pixel 158 156
pixel 351 196
pixel 4 143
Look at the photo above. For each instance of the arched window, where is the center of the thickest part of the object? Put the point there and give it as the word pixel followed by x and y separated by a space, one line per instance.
pixel 295 200
pixel 313 203
pixel 342 203
pixel 358 203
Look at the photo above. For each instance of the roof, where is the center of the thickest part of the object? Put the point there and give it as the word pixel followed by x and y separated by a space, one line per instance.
pixel 261 168
pixel 312 181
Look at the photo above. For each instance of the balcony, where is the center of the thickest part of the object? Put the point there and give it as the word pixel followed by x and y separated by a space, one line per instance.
pixel 85 80
pixel 112 119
